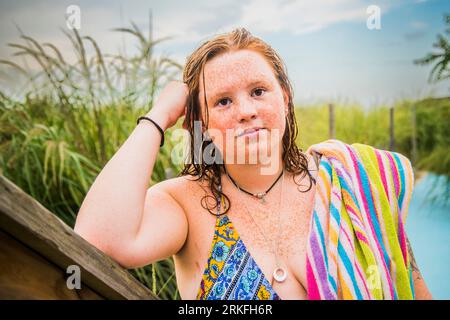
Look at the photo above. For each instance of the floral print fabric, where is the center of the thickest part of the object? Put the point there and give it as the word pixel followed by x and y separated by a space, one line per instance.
pixel 231 273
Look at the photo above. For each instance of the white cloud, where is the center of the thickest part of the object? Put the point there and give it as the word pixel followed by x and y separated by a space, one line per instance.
pixel 190 23
pixel 181 25
pixel 418 25
pixel 195 21
pixel 299 17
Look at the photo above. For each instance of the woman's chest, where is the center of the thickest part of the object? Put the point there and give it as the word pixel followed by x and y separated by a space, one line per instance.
pixel 273 236
pixel 278 239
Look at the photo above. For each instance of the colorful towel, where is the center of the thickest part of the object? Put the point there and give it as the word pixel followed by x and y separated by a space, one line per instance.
pixel 357 243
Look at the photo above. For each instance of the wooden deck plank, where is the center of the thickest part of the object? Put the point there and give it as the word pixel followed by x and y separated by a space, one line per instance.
pixel 26 220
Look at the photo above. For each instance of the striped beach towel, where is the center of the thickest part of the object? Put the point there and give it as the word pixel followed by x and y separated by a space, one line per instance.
pixel 357 243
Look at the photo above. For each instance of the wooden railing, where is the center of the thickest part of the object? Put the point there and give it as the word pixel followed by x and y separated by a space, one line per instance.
pixel 37 249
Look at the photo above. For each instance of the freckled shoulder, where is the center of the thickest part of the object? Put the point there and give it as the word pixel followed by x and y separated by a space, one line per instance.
pixel 185 189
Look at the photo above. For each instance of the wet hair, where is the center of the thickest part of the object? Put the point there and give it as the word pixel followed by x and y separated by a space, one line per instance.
pixel 294 160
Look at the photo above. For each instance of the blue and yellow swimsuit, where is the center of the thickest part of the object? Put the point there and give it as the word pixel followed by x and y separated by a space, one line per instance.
pixel 231 273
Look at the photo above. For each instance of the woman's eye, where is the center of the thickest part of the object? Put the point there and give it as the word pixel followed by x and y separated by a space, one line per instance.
pixel 223 102
pixel 259 92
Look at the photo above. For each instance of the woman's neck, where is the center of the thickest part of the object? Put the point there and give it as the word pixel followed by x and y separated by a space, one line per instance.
pixel 254 178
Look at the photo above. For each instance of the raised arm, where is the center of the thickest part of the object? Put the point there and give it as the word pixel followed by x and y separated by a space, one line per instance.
pixel 118 211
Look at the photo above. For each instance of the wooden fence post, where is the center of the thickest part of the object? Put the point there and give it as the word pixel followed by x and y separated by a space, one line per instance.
pixel 391 129
pixel 414 136
pixel 332 132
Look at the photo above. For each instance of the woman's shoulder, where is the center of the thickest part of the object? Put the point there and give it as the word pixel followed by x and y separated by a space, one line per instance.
pixel 181 187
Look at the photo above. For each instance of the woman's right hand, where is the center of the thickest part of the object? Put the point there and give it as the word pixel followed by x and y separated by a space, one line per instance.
pixel 171 103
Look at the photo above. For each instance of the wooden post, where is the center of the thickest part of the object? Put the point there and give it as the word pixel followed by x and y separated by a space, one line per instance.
pixel 332 132
pixel 414 135
pixel 391 129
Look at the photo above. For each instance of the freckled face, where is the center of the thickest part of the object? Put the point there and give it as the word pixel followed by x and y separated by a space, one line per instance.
pixel 242 92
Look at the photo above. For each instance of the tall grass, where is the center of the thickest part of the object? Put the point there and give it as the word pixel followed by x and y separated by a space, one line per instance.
pixel 73 118
pixel 354 124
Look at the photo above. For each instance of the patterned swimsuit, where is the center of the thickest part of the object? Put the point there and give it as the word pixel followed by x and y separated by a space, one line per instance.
pixel 231 273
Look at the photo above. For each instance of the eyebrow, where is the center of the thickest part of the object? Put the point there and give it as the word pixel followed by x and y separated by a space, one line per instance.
pixel 215 96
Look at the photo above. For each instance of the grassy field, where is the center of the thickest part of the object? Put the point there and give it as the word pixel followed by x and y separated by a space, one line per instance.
pixel 355 124
pixel 57 136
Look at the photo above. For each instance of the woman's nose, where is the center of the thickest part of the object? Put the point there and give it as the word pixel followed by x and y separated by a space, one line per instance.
pixel 246 110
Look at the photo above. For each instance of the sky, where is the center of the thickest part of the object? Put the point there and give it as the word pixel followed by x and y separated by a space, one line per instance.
pixel 330 53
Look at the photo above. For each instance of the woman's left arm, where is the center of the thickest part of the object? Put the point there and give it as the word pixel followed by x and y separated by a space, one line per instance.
pixel 420 287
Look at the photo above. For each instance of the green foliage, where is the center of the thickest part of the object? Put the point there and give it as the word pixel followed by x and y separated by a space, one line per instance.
pixel 354 125
pixel 441 57
pixel 74 117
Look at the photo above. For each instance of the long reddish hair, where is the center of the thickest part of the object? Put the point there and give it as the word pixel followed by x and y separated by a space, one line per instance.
pixel 294 160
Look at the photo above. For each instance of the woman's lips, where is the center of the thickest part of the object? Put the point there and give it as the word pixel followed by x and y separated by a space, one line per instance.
pixel 251 133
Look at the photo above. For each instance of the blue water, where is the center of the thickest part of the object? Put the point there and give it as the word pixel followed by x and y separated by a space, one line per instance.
pixel 428 229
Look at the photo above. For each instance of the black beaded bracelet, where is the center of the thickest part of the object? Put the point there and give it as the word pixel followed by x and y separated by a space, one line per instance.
pixel 157 126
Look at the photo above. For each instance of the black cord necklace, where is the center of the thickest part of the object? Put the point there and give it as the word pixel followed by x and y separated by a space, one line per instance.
pixel 259 195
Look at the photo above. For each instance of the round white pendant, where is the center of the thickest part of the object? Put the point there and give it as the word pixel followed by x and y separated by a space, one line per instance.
pixel 279 274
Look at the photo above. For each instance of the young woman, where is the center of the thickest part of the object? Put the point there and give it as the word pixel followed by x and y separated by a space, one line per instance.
pixel 245 225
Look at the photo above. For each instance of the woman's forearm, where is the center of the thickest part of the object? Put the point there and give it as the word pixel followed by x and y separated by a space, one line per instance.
pixel 111 212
